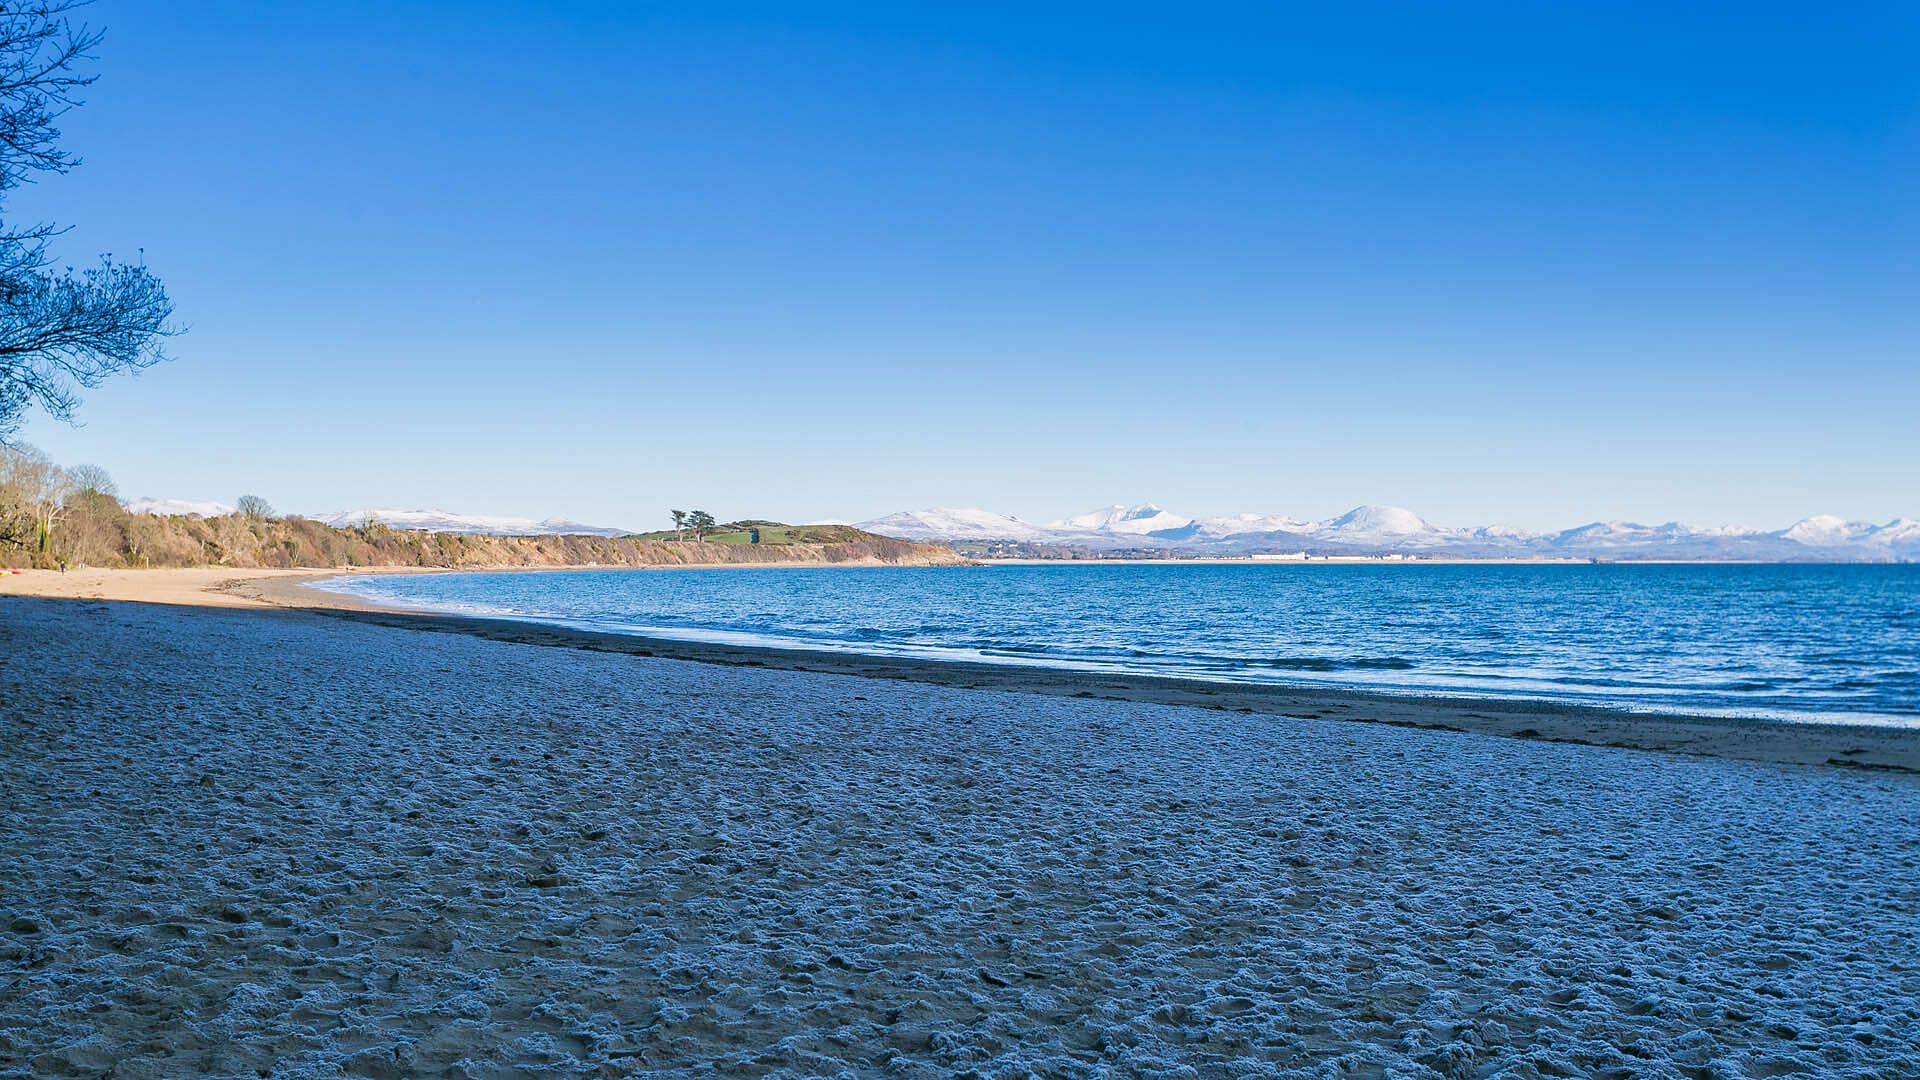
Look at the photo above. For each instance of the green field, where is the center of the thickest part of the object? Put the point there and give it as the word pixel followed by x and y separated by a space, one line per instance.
pixel 772 533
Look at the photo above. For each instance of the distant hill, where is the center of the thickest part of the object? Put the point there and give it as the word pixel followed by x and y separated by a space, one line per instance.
pixel 179 507
pixel 1148 530
pixel 947 525
pixel 477 524
pixel 422 520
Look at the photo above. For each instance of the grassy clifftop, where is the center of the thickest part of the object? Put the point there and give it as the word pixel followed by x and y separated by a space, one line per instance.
pixel 772 533
pixel 95 530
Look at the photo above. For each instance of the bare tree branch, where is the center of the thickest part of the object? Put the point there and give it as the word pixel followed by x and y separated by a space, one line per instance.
pixel 66 331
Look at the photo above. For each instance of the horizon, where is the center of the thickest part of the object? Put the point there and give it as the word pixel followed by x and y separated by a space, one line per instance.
pixel 213 507
pixel 1528 269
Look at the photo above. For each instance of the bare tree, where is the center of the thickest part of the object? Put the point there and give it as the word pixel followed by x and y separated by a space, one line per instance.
pixel 33 496
pixel 60 331
pixel 94 479
pixel 19 478
pixel 253 506
pixel 142 533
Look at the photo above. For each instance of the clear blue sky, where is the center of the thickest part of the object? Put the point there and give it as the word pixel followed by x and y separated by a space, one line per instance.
pixel 1493 263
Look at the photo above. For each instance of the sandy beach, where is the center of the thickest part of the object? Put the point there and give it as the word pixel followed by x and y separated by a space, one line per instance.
pixel 958 542
pixel 197 587
pixel 245 841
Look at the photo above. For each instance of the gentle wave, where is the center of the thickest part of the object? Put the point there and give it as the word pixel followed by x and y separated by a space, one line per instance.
pixel 1794 643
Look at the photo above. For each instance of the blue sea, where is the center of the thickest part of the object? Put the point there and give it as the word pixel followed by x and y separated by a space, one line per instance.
pixel 1779 642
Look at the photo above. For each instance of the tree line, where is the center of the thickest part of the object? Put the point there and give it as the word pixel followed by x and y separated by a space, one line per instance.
pixel 697 522
pixel 51 517
pixel 41 503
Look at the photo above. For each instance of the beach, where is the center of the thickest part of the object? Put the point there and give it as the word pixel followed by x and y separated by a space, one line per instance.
pixel 621 542
pixel 244 839
pixel 1858 746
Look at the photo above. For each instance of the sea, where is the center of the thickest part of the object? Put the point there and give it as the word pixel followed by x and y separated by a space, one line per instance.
pixel 1771 642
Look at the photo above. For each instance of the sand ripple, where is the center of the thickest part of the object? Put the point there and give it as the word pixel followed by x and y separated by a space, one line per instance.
pixel 275 844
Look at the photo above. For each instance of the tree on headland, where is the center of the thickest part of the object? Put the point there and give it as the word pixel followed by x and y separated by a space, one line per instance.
pixel 254 506
pixel 679 523
pixel 699 521
pixel 60 331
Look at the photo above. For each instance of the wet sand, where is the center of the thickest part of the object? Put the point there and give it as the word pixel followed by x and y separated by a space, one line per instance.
pixel 291 843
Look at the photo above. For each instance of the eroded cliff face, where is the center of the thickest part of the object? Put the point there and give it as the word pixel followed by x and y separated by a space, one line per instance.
pixel 104 534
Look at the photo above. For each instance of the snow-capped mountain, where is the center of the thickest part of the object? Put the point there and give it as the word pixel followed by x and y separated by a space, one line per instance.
pixel 1899 538
pixel 1145 519
pixel 1380 521
pixel 178 507
pixel 1614 534
pixel 1214 528
pixel 957 524
pixel 1383 530
pixel 424 520
pixel 1900 533
pixel 1386 526
pixel 487 524
pixel 1825 530
pixel 1504 534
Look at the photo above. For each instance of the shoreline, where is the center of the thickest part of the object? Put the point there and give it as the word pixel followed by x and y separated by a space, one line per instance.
pixel 1417 560
pixel 247 840
pixel 1850 746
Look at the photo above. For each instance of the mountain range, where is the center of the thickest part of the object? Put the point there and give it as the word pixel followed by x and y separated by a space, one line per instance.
pixel 482 524
pixel 423 520
pixel 1391 530
pixel 1364 530
pixel 178 507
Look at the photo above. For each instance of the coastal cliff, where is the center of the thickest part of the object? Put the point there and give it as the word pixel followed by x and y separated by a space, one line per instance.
pixel 101 533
